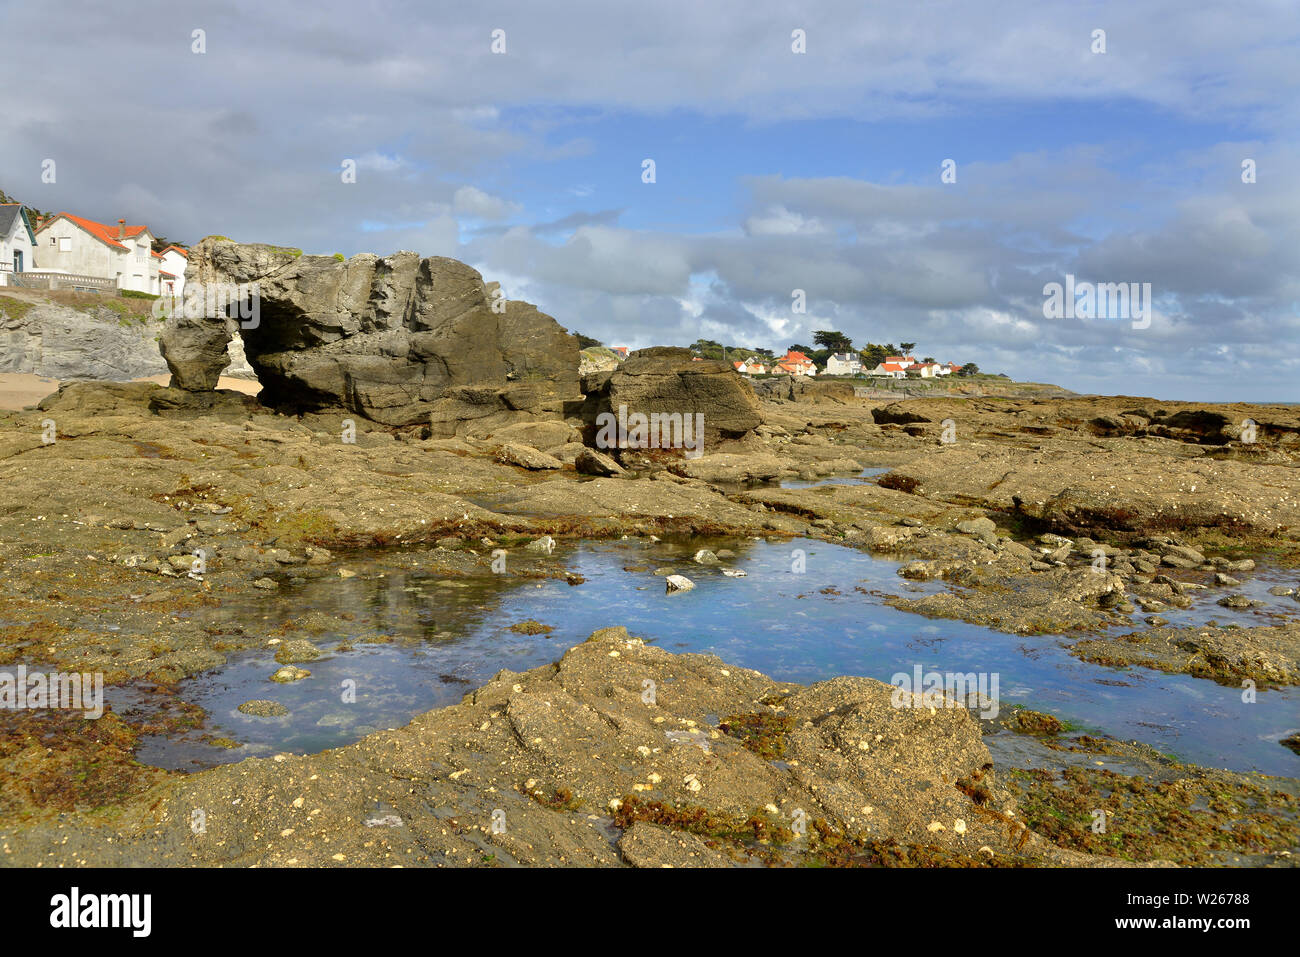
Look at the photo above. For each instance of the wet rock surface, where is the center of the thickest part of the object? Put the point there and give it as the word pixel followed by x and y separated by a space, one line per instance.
pixel 1267 654
pixel 1035 520
pixel 535 768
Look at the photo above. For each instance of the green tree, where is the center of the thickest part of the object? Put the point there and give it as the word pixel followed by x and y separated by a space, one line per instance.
pixel 907 347
pixel 873 354
pixel 832 340
pixel 969 368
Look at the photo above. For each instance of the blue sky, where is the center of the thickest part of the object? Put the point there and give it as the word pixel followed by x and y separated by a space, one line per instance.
pixel 775 171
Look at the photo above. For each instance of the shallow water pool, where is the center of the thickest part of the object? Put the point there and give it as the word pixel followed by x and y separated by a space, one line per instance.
pixel 805 611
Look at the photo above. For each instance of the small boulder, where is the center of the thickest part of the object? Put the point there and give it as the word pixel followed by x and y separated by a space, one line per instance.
pixel 977 526
pixel 543 546
pixel 527 457
pixel 296 650
pixel 289 674
pixel 261 708
pixel 591 462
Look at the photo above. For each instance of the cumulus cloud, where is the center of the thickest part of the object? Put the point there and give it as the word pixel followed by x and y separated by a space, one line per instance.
pixel 475 203
pixel 495 159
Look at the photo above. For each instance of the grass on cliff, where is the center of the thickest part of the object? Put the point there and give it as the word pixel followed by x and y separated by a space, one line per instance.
pixel 129 305
pixel 14 308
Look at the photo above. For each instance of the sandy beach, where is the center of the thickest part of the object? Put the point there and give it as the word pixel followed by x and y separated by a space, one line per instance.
pixel 21 389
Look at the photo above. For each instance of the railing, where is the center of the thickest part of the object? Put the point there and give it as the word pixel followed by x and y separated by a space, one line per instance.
pixel 61 280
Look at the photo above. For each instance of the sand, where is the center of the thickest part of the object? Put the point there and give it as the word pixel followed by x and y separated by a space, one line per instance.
pixel 21 389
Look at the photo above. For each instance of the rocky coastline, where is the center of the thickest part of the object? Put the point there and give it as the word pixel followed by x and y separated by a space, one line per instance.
pixel 408 411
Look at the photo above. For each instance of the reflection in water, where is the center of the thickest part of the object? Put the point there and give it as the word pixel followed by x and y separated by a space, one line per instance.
pixel 858 479
pixel 418 642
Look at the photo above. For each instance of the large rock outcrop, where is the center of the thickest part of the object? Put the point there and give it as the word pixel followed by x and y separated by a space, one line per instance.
pixel 397 339
pixel 671 381
pixel 97 341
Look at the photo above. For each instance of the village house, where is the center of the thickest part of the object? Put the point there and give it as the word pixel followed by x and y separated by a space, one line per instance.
pixel 926 370
pixel 894 366
pixel 171 271
pixel 17 241
pixel 82 247
pixel 750 366
pixel 843 363
pixel 794 363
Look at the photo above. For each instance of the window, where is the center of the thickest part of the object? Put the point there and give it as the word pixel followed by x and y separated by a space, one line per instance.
pixel 65 244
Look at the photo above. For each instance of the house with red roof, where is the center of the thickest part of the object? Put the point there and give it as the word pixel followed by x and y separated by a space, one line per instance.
pixel 82 247
pixel 171 271
pixel 895 367
pixel 750 366
pixel 794 363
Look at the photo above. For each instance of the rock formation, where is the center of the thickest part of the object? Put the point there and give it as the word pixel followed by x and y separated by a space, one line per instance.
pixel 61 341
pixel 397 339
pixel 670 381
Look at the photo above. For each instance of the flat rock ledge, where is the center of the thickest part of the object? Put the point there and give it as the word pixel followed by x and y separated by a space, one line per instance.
pixel 574 764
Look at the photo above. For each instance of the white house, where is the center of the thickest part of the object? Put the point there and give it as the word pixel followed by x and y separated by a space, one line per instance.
pixel 83 247
pixel 926 370
pixel 17 241
pixel 171 271
pixel 894 366
pixel 895 369
pixel 843 363
pixel 750 366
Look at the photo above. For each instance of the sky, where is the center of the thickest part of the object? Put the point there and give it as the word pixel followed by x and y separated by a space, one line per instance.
pixel 1163 150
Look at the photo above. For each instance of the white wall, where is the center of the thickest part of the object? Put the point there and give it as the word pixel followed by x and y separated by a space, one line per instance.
pixel 89 256
pixel 16 241
pixel 174 263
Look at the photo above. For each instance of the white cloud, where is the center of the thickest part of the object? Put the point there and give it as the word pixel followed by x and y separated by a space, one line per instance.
pixel 475 203
pixel 779 221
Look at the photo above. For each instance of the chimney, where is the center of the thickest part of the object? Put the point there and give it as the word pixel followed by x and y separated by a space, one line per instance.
pixel 121 229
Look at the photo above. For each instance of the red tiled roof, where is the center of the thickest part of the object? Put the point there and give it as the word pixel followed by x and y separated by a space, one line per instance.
pixel 893 366
pixel 164 272
pixel 174 248
pixel 100 231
